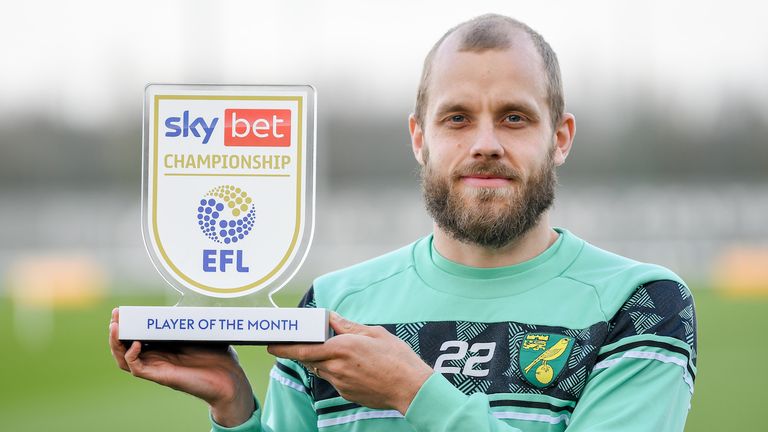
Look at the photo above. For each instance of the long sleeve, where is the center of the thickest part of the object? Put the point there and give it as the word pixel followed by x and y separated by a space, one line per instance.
pixel 641 394
pixel 643 378
pixel 441 407
pixel 287 406
pixel 253 424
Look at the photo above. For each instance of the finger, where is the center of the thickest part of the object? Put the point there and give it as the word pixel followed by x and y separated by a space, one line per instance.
pixel 115 315
pixel 320 369
pixel 116 347
pixel 132 358
pixel 301 352
pixel 312 368
pixel 342 325
pixel 232 352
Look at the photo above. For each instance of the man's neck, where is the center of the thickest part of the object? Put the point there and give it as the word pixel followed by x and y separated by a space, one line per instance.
pixel 528 246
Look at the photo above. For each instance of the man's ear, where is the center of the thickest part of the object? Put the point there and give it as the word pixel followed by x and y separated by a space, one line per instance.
pixel 564 135
pixel 417 138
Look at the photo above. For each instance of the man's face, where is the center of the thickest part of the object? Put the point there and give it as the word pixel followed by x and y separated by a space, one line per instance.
pixel 487 146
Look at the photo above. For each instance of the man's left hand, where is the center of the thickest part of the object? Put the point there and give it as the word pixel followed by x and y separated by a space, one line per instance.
pixel 366 364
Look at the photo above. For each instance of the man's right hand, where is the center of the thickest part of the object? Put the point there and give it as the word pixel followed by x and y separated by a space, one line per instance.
pixel 211 373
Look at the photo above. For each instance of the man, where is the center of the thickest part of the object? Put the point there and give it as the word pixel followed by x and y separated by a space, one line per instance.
pixel 495 322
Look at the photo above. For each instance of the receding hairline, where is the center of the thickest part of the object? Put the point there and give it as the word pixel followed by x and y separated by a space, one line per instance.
pixel 495 32
pixel 491 33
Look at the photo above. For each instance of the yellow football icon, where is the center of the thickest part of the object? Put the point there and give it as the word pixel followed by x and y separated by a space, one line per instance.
pixel 544 373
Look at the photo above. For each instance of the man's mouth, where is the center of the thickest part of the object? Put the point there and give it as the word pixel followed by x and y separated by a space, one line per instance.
pixel 483 180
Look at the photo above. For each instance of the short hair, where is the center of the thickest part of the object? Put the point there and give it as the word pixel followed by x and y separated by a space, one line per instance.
pixel 492 32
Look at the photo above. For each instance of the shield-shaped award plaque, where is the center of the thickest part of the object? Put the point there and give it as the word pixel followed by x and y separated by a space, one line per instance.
pixel 228 211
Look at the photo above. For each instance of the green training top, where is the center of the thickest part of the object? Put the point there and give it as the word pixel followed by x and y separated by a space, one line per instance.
pixel 576 339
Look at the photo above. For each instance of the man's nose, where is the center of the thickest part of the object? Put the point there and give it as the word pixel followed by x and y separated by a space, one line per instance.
pixel 486 143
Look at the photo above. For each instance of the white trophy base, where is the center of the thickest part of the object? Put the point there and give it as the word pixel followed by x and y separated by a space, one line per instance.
pixel 233 325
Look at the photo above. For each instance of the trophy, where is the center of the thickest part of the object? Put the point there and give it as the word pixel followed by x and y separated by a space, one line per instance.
pixel 227 212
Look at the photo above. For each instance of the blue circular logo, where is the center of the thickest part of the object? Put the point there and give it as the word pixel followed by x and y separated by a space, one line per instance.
pixel 226 214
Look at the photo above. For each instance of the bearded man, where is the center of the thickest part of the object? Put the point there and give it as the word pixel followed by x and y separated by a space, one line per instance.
pixel 494 322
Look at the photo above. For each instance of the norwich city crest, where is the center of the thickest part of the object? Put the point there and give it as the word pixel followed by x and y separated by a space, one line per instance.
pixel 543 356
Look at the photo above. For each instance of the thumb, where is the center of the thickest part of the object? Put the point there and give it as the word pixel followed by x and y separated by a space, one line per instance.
pixel 342 325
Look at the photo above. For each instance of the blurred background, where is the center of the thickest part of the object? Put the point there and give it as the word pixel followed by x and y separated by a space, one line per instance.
pixel 670 165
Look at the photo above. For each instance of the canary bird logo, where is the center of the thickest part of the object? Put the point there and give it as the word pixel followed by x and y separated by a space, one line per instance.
pixel 548 363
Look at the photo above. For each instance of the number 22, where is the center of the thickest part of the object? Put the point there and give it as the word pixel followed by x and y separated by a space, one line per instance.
pixel 463 346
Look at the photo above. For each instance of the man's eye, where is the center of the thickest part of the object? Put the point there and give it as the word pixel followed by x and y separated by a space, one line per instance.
pixel 458 118
pixel 514 118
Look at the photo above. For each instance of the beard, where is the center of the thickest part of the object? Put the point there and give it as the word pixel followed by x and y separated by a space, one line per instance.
pixel 488 217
